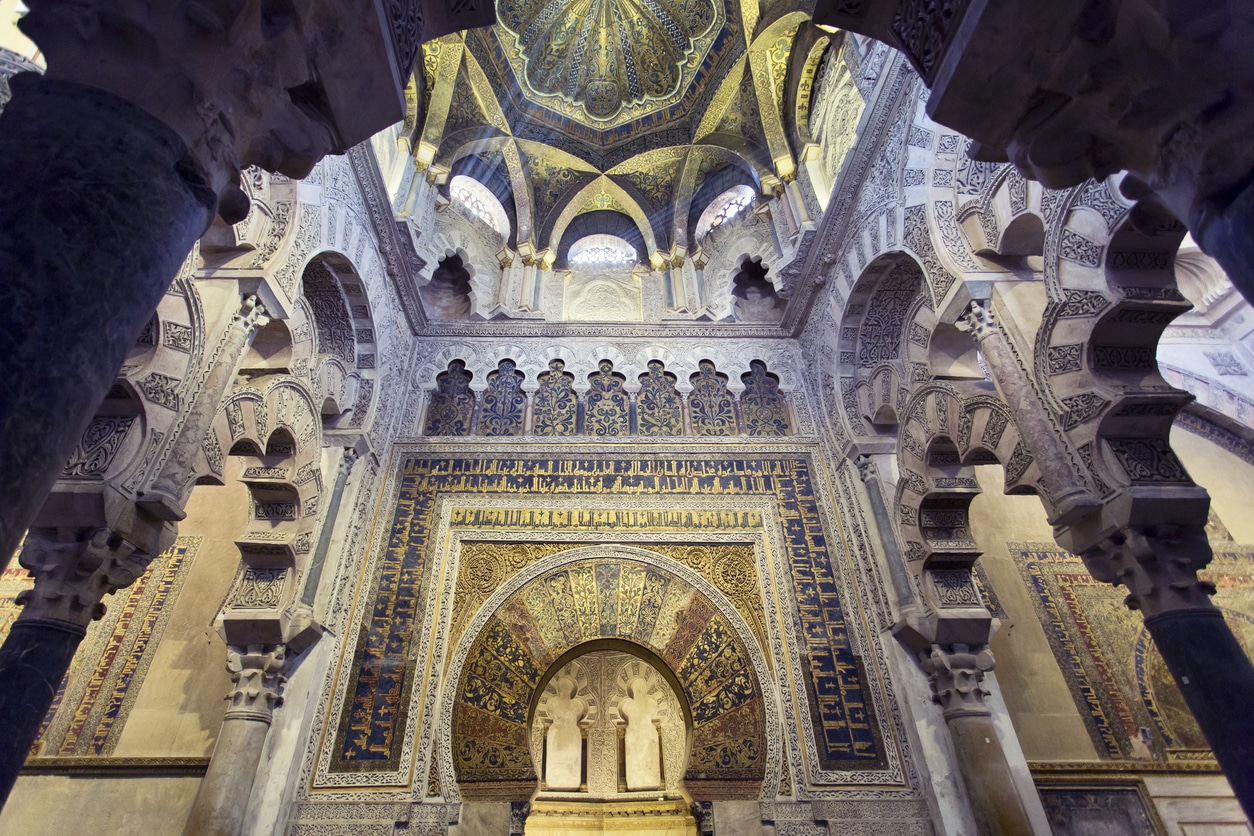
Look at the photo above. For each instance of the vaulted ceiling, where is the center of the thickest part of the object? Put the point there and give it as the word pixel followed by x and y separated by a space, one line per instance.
pixel 640 111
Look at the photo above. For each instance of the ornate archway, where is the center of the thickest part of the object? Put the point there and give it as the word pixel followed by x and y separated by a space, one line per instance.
pixel 638 598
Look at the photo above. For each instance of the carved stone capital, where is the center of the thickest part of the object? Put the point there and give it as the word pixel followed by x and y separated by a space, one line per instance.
pixel 980 321
pixel 1157 564
pixel 257 672
pixel 74 569
pixel 251 316
pixel 868 470
pixel 955 673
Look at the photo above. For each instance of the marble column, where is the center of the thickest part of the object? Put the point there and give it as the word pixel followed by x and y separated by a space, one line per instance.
pixel 897 571
pixel 1152 542
pixel 101 204
pixel 314 578
pixel 73 570
pixel 955 673
pixel 168 493
pixel 114 163
pixel 257 672
pixel 1068 495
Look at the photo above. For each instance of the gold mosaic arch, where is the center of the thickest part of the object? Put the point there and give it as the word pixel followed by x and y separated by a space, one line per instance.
pixel 602 193
pixel 589 595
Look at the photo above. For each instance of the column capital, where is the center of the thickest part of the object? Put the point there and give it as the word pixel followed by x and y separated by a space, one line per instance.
pixel 252 314
pixel 258 674
pixel 1158 565
pixel 868 470
pixel 980 320
pixel 74 569
pixel 955 673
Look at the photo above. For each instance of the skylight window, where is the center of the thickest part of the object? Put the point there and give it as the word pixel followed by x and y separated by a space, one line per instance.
pixel 476 201
pixel 724 207
pixel 602 251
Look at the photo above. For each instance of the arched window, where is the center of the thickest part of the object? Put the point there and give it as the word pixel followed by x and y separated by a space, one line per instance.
pixel 602 250
pixel 473 198
pixel 724 207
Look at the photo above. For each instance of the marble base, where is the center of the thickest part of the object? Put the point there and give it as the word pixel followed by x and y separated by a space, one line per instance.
pixel 637 818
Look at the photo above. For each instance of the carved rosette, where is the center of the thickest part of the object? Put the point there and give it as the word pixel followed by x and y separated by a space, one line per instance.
pixel 74 574
pixel 258 676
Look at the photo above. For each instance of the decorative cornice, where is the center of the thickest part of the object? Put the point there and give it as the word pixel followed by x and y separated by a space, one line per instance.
pixel 1055 771
pixel 98 766
pixel 608 330
pixel 396 245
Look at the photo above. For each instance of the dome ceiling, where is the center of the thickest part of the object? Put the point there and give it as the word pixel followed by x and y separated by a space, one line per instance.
pixel 604 63
pixel 634 107
pixel 605 73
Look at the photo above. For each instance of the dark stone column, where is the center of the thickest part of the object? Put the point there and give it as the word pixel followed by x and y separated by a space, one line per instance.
pixel 1158 564
pixel 100 206
pixel 73 571
pixel 1217 681
pixel 33 661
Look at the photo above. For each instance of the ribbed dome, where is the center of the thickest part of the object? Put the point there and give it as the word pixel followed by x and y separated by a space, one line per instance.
pixel 600 56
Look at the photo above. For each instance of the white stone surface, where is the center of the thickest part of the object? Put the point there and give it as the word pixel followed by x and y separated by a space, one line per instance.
pixel 643 747
pixel 563 765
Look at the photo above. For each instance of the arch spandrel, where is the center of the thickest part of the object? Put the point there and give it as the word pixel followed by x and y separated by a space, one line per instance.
pixel 589 594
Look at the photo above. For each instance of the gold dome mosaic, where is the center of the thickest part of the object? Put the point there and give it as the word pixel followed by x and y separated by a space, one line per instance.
pixel 606 62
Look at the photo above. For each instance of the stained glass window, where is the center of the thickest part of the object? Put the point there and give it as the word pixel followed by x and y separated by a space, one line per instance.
pixel 452 403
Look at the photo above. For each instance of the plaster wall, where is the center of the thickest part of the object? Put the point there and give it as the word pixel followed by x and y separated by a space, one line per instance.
pixel 1040 705
pixel 180 705
pixel 56 804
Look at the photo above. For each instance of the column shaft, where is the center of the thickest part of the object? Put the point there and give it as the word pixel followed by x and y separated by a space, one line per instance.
pixel 222 800
pixel 223 796
pixel 1217 681
pixel 101 204
pixel 169 491
pixel 33 661
pixel 995 801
